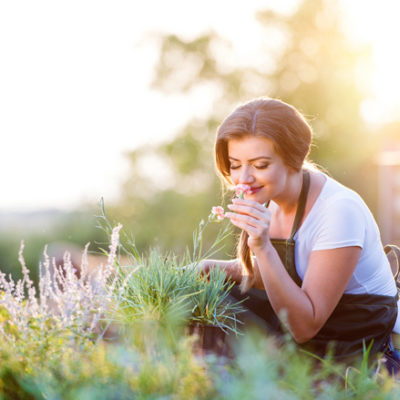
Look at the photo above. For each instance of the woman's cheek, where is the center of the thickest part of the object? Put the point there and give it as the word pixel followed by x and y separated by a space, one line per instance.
pixel 234 177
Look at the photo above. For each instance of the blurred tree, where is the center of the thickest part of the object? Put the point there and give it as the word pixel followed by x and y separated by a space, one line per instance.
pixel 308 62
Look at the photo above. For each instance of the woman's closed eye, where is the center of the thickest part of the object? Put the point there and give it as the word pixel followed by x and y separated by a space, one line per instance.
pixel 261 166
pixel 257 166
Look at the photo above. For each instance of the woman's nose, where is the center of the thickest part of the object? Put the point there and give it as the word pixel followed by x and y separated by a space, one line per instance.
pixel 246 175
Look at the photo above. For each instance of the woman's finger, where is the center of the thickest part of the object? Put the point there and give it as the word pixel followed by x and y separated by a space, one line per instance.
pixel 251 230
pixel 248 211
pixel 253 205
pixel 250 203
pixel 247 219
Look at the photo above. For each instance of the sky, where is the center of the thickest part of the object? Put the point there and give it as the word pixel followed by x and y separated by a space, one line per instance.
pixel 75 76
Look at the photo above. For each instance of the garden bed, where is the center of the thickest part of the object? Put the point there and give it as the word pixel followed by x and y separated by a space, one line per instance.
pixel 55 341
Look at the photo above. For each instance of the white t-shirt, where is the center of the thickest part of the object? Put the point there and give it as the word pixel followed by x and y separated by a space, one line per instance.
pixel 340 218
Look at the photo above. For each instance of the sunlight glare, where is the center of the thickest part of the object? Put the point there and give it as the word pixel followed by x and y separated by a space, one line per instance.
pixel 377 23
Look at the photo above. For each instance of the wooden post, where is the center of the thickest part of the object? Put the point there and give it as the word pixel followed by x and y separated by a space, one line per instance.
pixel 389 196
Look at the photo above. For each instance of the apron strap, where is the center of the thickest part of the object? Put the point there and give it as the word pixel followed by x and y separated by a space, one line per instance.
pixel 302 203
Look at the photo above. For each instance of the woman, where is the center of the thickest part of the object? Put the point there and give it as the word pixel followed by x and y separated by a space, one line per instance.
pixel 310 249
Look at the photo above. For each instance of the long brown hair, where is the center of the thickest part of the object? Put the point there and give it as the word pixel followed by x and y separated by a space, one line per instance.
pixel 285 127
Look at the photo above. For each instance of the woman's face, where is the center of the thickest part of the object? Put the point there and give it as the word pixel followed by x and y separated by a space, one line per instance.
pixel 254 162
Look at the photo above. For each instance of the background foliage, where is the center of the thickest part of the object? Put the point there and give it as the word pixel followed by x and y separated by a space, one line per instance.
pixel 308 61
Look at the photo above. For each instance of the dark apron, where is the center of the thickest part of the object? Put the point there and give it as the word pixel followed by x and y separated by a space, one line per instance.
pixel 357 320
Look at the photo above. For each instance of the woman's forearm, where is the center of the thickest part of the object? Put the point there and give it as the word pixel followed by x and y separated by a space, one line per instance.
pixel 309 307
pixel 282 291
pixel 232 268
pixel 285 296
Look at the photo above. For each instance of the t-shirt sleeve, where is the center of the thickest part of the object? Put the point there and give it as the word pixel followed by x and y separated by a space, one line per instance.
pixel 341 224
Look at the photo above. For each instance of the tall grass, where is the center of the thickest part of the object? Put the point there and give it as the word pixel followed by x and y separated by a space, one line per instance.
pixel 161 289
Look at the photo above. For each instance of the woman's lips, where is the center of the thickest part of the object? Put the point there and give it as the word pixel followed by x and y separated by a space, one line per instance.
pixel 254 190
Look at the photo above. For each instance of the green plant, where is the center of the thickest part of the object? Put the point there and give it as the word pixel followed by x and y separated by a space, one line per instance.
pixel 126 243
pixel 161 289
pixel 264 370
pixel 211 305
pixel 108 371
pixel 47 349
pixel 216 246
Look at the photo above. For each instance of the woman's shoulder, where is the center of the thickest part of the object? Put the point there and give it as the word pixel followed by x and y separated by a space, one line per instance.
pixel 332 200
pixel 337 219
pixel 333 191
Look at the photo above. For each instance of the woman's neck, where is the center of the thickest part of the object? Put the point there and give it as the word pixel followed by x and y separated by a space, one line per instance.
pixel 289 198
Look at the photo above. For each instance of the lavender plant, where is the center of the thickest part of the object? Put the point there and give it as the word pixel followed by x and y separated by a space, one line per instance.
pixel 66 305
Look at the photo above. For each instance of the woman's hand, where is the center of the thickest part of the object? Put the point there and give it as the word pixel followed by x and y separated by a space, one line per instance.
pixel 253 218
pixel 203 266
pixel 232 268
